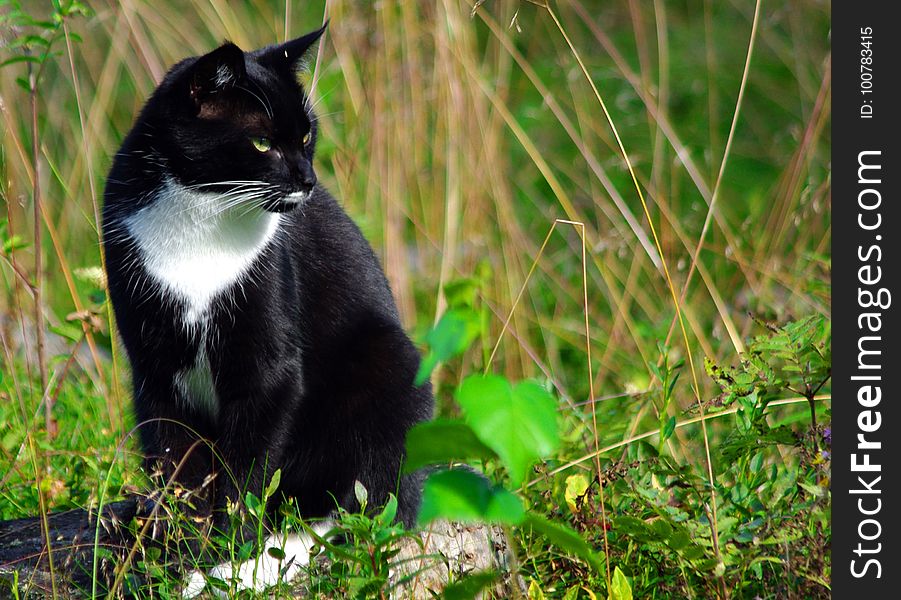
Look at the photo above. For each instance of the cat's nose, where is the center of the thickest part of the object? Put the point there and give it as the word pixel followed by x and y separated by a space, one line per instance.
pixel 304 174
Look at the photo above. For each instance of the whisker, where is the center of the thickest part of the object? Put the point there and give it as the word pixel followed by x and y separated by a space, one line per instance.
pixel 260 100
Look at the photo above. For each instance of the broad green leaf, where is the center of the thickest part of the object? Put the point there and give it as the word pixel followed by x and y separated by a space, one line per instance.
pixel 573 593
pixel 441 442
pixel 814 490
pixel 566 539
pixel 518 422
pixel 726 525
pixel 462 495
pixel 619 587
pixel 504 507
pixel 453 334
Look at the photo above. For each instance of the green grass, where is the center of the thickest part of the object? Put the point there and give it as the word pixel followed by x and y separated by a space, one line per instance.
pixel 456 141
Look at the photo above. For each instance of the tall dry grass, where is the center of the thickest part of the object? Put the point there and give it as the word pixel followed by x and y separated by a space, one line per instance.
pixel 455 135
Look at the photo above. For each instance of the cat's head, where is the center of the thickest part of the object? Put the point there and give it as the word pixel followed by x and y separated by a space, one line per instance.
pixel 238 124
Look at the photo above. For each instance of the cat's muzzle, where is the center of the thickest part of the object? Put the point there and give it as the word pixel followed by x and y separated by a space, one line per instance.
pixel 288 202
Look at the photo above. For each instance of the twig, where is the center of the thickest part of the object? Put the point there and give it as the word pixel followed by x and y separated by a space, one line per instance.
pixel 38 284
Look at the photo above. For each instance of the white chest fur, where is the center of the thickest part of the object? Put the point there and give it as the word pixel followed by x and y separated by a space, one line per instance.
pixel 195 247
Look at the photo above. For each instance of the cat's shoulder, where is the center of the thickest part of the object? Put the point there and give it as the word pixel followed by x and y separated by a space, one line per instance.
pixel 322 217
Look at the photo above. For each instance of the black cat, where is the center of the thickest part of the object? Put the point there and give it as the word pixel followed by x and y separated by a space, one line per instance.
pixel 254 313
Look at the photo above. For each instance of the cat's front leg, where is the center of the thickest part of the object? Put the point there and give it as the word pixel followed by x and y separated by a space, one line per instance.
pixel 250 444
pixel 177 446
pixel 251 448
pixel 179 460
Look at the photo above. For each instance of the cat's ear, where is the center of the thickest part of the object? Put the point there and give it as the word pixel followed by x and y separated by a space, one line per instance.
pixel 220 69
pixel 289 54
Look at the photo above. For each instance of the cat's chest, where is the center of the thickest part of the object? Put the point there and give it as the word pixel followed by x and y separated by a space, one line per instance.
pixel 196 382
pixel 194 247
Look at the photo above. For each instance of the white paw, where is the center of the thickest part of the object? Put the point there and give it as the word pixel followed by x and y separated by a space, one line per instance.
pixel 194 584
pixel 266 570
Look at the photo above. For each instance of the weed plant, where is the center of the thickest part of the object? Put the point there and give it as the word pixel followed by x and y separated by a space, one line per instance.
pixel 607 223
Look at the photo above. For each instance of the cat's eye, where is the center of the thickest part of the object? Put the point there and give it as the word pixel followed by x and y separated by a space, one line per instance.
pixel 262 144
pixel 307 138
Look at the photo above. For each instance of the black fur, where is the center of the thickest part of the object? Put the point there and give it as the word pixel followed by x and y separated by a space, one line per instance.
pixel 313 372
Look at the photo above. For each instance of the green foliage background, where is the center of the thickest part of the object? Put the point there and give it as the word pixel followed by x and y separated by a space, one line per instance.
pixel 456 135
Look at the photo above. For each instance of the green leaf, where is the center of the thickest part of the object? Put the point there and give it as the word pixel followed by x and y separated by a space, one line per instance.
pixel 504 507
pixel 273 484
pixel 14 243
pixel 68 331
pixel 151 553
pixel 245 550
pixel 692 552
pixel 462 292
pixel 361 494
pixel 462 495
pixel 386 517
pixel 667 431
pixel 576 486
pixel 19 59
pixel 535 592
pixel 468 587
pixel 661 529
pixel 633 527
pixel 619 587
pixel 814 490
pixel 572 593
pixel 679 539
pixel 566 539
pixel 453 334
pixel 253 504
pixel 364 587
pixel 443 441
pixel 726 525
pixel 518 422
